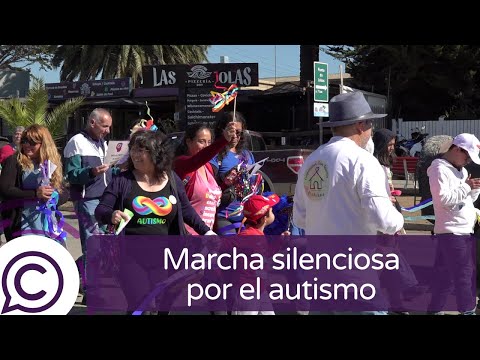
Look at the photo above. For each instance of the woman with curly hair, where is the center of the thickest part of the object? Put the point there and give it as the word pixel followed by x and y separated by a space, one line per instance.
pixel 225 164
pixel 149 177
pixel 156 197
pixel 21 182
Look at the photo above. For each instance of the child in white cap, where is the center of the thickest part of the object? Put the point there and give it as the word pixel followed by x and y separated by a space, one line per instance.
pixel 453 194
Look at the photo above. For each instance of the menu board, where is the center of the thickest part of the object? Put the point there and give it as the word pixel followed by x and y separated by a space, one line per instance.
pixel 89 89
pixel 198 108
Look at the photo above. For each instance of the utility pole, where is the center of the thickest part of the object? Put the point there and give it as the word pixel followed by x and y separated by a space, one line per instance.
pixel 275 60
pixel 341 78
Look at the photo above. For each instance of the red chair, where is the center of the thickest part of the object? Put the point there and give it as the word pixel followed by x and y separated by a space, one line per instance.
pixel 406 167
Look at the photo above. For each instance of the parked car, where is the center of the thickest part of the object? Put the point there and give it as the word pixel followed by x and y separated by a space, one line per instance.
pixel 281 167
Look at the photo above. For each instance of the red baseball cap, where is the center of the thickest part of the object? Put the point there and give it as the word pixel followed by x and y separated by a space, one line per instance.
pixel 257 206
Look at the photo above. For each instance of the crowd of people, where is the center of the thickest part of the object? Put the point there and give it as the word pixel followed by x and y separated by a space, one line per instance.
pixel 340 182
pixel 192 189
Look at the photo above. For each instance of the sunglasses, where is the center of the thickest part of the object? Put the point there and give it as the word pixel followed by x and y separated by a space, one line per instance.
pixel 28 141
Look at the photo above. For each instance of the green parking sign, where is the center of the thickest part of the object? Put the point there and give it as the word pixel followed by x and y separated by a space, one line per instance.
pixel 320 81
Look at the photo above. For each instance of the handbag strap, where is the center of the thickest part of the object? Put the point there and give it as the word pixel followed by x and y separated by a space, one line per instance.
pixel 183 231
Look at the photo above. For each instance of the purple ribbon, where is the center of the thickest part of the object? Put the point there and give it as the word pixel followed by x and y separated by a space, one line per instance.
pixel 45 177
pixel 49 210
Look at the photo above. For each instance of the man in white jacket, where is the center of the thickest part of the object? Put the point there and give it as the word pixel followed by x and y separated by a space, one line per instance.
pixel 341 188
pixel 453 194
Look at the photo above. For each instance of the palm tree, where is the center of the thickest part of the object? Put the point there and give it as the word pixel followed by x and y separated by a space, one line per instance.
pixel 87 62
pixel 34 110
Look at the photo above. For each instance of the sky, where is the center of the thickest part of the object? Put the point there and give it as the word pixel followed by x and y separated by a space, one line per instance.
pixel 273 60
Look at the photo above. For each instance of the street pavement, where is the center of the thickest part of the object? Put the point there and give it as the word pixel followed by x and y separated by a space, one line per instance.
pixel 75 249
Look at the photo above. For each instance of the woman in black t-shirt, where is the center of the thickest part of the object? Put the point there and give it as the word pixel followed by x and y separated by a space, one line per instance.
pixel 156 197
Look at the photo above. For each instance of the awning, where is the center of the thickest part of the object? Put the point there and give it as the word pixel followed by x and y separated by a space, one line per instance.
pixel 287 88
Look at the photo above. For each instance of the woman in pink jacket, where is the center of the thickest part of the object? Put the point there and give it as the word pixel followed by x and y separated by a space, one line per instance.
pixel 192 166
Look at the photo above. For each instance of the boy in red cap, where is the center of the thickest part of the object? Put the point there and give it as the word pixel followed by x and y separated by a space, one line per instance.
pixel 258 214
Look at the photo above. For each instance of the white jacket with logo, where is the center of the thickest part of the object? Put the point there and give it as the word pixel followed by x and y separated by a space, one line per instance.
pixel 452 198
pixel 341 191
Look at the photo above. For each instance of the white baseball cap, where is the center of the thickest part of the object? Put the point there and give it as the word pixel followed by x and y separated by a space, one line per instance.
pixel 470 144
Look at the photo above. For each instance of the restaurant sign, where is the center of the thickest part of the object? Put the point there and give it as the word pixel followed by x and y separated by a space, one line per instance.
pixel 92 89
pixel 200 75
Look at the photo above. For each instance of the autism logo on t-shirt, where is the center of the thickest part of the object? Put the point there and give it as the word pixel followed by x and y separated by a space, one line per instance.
pixel 160 206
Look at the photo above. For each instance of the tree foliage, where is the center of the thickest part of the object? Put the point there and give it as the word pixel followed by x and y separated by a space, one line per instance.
pixel 87 62
pixel 34 110
pixel 21 57
pixel 421 81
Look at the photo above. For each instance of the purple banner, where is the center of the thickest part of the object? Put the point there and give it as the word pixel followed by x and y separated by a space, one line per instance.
pixel 281 274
